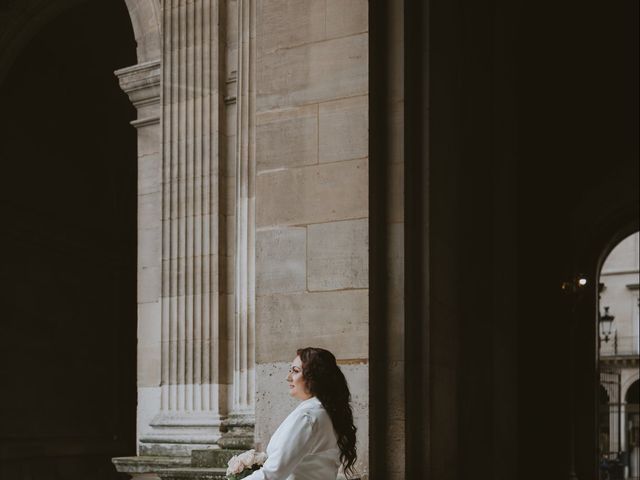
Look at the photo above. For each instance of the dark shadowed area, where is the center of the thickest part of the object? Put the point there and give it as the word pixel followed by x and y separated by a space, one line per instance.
pixel 68 230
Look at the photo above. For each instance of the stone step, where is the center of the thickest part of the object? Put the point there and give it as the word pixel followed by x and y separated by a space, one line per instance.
pixel 192 473
pixel 213 458
pixel 143 464
pixel 206 464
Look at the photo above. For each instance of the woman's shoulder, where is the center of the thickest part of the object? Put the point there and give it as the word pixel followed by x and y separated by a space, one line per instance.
pixel 312 410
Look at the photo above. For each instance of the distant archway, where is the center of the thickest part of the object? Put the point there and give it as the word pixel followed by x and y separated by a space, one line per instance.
pixel 618 356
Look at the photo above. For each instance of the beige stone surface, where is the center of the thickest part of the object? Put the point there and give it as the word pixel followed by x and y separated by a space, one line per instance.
pixel 149 361
pixel 193 196
pixel 205 223
pixel 287 138
pixel 228 201
pixel 149 209
pixel 313 73
pixel 149 240
pixel 149 344
pixel 344 129
pixel 231 30
pixel 346 17
pixel 227 236
pixel 202 269
pixel 148 407
pixel 149 173
pixel 284 23
pixel 313 194
pixel 149 140
pixel 336 320
pixel 338 255
pixel 149 323
pixel 149 280
pixel 145 19
pixel 281 260
pixel 227 278
pixel 231 122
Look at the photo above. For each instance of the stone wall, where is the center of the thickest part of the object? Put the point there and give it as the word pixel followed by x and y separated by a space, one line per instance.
pixel 283 118
pixel 311 198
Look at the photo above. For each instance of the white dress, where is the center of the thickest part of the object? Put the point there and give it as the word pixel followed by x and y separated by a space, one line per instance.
pixel 304 447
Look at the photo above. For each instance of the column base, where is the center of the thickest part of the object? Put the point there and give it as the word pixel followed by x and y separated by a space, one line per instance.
pixel 238 432
pixel 179 433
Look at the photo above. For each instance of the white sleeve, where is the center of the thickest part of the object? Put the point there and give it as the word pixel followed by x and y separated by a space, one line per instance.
pixel 286 454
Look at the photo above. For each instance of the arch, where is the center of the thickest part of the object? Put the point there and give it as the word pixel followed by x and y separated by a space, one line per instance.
pixel 628 382
pixel 146 19
pixel 631 389
pixel 62 75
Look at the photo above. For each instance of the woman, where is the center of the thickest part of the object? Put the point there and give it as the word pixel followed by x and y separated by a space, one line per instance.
pixel 319 434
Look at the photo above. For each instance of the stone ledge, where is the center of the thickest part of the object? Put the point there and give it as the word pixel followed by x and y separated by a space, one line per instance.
pixel 149 464
pixel 192 473
pixel 212 458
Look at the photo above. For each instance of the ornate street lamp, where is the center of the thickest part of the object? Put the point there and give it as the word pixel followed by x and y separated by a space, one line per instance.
pixel 606 323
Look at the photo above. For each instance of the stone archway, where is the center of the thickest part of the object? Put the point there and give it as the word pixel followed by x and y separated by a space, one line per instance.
pixel 146 21
pixel 68 202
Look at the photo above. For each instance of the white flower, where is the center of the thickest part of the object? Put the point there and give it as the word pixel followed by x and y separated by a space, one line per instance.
pixel 245 460
pixel 235 466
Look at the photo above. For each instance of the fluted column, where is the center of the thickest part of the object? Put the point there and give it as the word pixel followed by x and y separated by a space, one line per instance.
pixel 192 393
pixel 240 424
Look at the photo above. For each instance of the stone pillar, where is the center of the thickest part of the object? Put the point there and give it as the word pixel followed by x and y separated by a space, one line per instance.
pixel 240 423
pixel 192 388
pixel 142 84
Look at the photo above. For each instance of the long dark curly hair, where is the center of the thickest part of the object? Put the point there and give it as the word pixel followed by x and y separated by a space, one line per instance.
pixel 325 380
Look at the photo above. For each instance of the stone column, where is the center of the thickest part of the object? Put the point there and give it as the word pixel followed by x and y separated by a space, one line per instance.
pixel 142 84
pixel 193 392
pixel 240 424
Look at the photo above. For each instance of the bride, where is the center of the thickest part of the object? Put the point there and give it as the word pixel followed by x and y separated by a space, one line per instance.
pixel 319 434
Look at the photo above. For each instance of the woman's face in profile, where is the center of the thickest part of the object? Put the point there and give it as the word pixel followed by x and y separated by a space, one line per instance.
pixel 297 386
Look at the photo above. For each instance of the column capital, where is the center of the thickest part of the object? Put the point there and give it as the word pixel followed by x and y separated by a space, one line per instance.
pixel 141 83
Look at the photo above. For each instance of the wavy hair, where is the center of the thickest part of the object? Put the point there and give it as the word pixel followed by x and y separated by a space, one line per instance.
pixel 325 380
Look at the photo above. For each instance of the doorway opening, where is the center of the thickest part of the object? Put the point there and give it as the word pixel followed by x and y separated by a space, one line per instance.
pixel 68 205
pixel 618 362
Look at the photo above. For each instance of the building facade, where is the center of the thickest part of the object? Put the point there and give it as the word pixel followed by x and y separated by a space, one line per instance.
pixel 620 355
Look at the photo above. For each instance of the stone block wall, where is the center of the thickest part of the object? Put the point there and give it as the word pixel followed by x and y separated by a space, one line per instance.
pixel 311 198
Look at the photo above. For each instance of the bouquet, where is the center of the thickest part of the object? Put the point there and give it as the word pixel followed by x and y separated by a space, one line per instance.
pixel 245 464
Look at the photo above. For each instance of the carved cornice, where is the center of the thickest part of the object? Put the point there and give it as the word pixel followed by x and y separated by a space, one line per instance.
pixel 141 83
